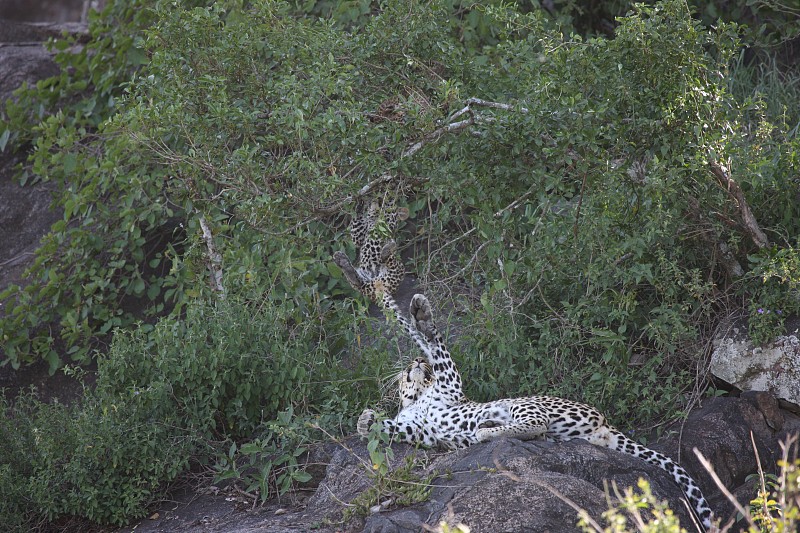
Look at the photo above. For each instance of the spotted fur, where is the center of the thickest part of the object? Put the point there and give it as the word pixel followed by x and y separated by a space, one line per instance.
pixel 435 412
pixel 379 267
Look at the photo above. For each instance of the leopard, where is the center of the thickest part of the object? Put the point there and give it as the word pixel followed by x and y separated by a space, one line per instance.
pixel 379 268
pixel 434 411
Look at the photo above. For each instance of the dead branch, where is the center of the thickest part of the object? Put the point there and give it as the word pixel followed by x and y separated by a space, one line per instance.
pixel 729 262
pixel 452 126
pixel 435 135
pixel 721 486
pixel 363 191
pixel 749 222
pixel 214 258
pixel 496 105
pixel 350 273
pixel 513 205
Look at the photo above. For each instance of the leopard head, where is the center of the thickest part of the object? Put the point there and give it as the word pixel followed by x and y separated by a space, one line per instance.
pixel 414 381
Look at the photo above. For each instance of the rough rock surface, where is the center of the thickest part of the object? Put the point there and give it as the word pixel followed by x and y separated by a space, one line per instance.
pixel 773 368
pixel 46 10
pixel 25 214
pixel 511 485
pixel 720 430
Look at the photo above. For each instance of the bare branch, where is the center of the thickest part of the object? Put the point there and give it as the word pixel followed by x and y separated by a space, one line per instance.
pixel 729 262
pixel 748 220
pixel 214 258
pixel 513 205
pixel 363 191
pixel 496 105
pixel 453 125
pixel 434 136
pixel 458 114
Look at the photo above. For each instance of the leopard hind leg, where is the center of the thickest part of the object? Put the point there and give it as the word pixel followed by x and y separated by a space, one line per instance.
pixel 503 421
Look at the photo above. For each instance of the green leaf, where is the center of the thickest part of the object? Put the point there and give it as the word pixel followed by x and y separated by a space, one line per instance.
pixel 53 362
pixel 4 139
pixel 301 476
pixel 69 163
pixel 138 286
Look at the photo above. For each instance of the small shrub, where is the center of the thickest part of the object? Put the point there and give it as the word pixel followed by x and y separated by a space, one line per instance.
pixel 177 393
pixel 268 465
pixel 103 461
pixel 776 277
pixel 649 514
pixel 228 366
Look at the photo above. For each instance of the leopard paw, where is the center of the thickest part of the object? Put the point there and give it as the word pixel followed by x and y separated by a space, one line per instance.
pixel 388 249
pixel 483 435
pixel 420 311
pixel 365 422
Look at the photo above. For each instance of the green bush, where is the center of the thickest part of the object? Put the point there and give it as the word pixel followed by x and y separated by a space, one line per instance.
pixel 105 460
pixel 227 366
pixel 171 395
pixel 585 219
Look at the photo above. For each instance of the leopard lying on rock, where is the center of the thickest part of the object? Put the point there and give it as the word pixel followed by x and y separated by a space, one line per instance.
pixel 435 411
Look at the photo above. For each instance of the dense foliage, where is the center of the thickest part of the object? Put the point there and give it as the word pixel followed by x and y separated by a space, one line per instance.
pixel 580 202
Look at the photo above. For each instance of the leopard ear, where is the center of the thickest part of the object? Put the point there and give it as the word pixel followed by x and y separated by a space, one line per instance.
pixel 402 213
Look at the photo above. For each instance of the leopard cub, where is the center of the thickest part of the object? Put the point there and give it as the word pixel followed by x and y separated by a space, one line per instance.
pixel 379 268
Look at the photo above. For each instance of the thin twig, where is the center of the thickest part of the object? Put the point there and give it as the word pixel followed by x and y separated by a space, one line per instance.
pixel 731 498
pixel 469 263
pixel 513 205
pixel 453 125
pixel 15 258
pixel 765 495
pixel 363 191
pixel 791 440
pixel 592 522
pixel 578 211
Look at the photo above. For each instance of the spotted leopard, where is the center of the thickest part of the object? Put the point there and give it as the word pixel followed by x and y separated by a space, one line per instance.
pixel 435 412
pixel 379 269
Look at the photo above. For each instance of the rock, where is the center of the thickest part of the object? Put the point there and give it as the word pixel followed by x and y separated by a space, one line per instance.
pixel 511 485
pixel 49 10
pixel 25 212
pixel 26 34
pixel 721 430
pixel 774 368
pixel 505 485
